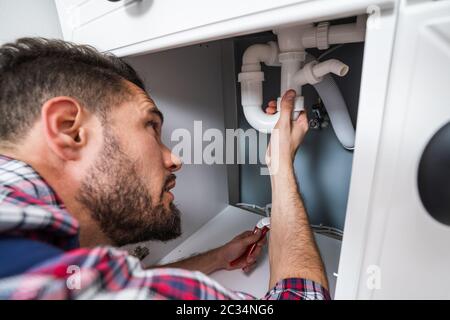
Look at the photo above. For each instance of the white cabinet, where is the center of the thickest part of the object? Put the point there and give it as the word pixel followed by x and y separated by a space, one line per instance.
pixel 390 234
pixel 111 25
pixel 134 27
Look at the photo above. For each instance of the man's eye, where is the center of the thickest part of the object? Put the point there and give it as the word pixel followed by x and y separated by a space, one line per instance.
pixel 153 124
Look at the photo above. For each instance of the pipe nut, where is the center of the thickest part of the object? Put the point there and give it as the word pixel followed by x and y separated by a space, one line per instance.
pixel 251 76
pixel 322 35
pixel 251 67
pixel 292 56
pixel 308 73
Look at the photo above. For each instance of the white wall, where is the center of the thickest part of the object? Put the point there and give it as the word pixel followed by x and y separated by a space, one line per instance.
pixel 20 18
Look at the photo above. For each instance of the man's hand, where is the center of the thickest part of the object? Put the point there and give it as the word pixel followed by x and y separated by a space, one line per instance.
pixel 287 134
pixel 236 247
pixel 220 258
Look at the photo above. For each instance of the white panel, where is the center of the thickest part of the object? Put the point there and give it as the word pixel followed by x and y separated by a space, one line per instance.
pixel 68 17
pixel 374 85
pixel 133 27
pixel 147 19
pixel 403 240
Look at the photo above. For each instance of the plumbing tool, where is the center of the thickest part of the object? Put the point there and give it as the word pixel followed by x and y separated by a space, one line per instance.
pixel 264 226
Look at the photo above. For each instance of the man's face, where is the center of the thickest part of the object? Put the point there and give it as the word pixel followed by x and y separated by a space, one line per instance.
pixel 127 188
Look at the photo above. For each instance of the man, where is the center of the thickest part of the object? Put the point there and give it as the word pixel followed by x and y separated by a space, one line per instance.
pixel 83 170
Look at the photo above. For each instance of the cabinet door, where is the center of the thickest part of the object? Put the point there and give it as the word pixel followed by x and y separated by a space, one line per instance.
pixel 136 26
pixel 110 25
pixel 405 250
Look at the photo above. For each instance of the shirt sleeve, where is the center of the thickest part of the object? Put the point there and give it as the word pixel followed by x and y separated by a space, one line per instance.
pixel 298 289
pixel 109 273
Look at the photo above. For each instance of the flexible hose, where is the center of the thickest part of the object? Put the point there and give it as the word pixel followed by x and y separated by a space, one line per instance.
pixel 337 111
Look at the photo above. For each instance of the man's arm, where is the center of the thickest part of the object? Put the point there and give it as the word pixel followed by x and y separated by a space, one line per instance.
pixel 220 258
pixel 292 249
pixel 207 262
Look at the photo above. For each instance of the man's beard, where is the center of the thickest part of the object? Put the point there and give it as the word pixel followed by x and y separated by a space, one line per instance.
pixel 120 202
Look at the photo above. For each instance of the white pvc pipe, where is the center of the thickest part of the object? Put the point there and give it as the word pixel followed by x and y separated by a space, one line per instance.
pixel 337 34
pixel 345 33
pixel 260 120
pixel 290 39
pixel 292 42
pixel 290 65
pixel 251 98
pixel 348 33
pixel 251 79
pixel 256 53
pixel 330 66
pixel 314 71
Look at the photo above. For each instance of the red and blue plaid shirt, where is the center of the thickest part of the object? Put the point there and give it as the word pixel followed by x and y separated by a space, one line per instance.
pixel 30 209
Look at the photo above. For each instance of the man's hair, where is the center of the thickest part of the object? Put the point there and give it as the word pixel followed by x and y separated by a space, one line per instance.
pixel 33 70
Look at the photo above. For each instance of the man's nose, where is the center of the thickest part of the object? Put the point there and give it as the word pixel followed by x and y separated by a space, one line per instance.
pixel 171 161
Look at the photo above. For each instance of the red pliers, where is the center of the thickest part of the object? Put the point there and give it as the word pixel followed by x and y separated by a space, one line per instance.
pixel 264 226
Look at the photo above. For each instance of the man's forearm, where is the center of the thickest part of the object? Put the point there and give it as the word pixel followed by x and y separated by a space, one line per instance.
pixel 291 238
pixel 207 263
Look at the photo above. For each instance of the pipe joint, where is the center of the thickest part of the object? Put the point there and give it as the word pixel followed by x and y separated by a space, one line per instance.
pixel 313 72
pixel 322 35
pixel 306 75
pixel 257 53
pixel 292 56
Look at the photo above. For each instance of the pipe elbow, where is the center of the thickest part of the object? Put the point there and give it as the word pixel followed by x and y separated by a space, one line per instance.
pixel 260 120
pixel 313 72
pixel 330 66
pixel 257 53
pixel 251 98
pixel 251 79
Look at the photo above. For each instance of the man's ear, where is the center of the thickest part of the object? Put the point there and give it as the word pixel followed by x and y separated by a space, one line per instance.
pixel 62 119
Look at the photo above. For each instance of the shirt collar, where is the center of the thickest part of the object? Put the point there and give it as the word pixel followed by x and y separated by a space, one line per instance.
pixel 22 190
pixel 20 175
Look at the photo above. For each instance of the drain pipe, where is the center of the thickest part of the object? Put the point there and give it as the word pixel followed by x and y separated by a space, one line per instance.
pixel 323 35
pixel 251 79
pixel 291 55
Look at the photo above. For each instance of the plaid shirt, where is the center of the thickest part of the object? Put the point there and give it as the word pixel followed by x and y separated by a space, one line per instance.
pixel 30 209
